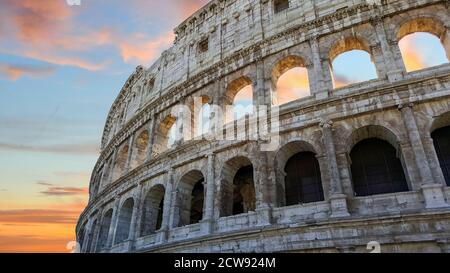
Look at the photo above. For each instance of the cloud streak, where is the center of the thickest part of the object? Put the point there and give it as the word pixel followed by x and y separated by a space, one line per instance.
pixel 72 149
pixel 15 72
pixel 65 191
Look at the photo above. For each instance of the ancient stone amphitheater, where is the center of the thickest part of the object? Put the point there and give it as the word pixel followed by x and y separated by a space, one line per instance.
pixel 366 162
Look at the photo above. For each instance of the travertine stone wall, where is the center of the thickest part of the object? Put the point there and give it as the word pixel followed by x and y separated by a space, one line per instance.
pixel 248 43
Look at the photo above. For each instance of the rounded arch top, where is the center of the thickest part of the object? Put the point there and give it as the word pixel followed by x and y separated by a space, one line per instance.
pixel 285 64
pixel 421 24
pixel 347 44
pixel 372 131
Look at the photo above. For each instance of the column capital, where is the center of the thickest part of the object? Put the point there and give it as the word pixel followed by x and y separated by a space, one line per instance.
pixel 402 106
pixel 326 123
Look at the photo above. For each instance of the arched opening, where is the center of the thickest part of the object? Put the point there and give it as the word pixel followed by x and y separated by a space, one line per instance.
pixel 91 237
pixel 351 62
pixel 121 162
pixel 124 222
pixel 424 42
pixel 104 230
pixel 140 149
pixel 191 198
pixel 152 210
pixel 441 140
pixel 290 80
pixel 81 236
pixel 166 135
pixel 303 180
pixel 202 119
pixel 239 99
pixel 238 188
pixel 376 168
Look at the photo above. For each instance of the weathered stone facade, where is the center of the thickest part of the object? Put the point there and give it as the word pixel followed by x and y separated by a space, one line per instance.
pixel 140 192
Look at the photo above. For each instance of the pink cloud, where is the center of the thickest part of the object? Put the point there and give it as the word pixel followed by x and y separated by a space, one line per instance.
pixel 15 72
pixel 141 50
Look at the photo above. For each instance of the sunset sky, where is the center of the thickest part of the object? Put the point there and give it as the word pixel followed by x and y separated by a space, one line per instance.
pixel 61 68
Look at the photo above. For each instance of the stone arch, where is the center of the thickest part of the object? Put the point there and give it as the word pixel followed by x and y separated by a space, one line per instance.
pixel 283 155
pixel 281 67
pixel 233 89
pixel 372 131
pixel 237 187
pixel 104 230
pixel 82 235
pixel 347 44
pixel 426 24
pixel 162 134
pixel 152 210
pixel 124 221
pixel 120 165
pixel 422 24
pixel 91 236
pixel 141 146
pixel 440 134
pixel 190 199
pixel 374 151
pixel 197 106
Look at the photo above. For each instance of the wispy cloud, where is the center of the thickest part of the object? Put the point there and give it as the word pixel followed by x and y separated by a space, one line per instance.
pixel 38 216
pixel 73 149
pixel 15 72
pixel 65 191
pixel 142 50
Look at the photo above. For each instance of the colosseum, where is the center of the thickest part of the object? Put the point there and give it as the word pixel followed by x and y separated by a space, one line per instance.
pixel 331 172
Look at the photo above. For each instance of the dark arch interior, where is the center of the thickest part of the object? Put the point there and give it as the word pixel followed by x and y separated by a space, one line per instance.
pixel 197 202
pixel 303 182
pixel 441 138
pixel 104 230
pixel 123 226
pixel 243 191
pixel 152 211
pixel 376 169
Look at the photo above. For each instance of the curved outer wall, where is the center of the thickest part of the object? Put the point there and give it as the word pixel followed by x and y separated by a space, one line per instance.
pixel 247 39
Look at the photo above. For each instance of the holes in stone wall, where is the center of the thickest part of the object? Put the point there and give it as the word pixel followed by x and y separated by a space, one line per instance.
pixel 280 5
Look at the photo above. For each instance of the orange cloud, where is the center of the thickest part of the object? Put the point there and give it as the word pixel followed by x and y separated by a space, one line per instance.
pixel 38 21
pixel 293 85
pixel 140 50
pixel 39 230
pixel 411 57
pixel 15 72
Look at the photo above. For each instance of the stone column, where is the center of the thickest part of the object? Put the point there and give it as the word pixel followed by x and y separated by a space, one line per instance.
pixel 338 199
pixel 433 192
pixel 435 165
pixel 446 41
pixel 87 230
pixel 165 225
pixel 208 210
pixel 262 189
pixel 151 141
pixel 130 153
pixel 112 227
pixel 261 88
pixel 393 72
pixel 134 230
pixel 96 234
pixel 112 167
pixel 322 71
